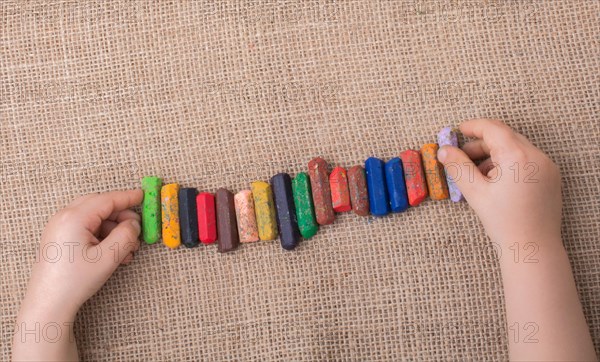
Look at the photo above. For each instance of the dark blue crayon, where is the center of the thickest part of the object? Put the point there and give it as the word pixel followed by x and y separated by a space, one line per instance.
pixel 394 177
pixel 289 234
pixel 378 196
pixel 188 217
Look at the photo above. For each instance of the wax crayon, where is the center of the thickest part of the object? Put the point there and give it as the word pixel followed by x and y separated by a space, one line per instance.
pixel 359 195
pixel 379 202
pixel 207 219
pixel 340 194
pixel 416 184
pixel 151 209
pixel 226 221
pixel 394 179
pixel 449 137
pixel 171 228
pixel 307 222
pixel 264 208
pixel 434 172
pixel 287 222
pixel 321 192
pixel 188 217
pixel 246 217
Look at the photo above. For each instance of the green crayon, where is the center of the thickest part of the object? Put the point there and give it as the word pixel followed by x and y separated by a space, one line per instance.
pixel 305 210
pixel 151 211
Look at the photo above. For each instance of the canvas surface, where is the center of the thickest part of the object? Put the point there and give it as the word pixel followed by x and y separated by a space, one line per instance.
pixel 95 95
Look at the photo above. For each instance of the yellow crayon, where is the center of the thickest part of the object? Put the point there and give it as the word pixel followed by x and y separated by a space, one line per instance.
pixel 264 207
pixel 171 229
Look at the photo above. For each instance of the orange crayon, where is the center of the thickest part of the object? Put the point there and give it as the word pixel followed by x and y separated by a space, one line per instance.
pixel 171 228
pixel 434 172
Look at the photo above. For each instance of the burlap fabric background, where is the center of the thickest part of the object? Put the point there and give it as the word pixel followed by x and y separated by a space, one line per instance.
pixel 94 95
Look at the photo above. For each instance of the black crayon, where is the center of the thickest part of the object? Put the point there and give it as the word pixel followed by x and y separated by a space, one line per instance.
pixel 287 221
pixel 188 217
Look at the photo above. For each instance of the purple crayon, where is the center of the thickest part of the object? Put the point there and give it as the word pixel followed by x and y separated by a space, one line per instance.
pixel 448 137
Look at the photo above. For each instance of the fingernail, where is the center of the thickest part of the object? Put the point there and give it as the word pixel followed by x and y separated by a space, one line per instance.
pixel 442 154
pixel 136 225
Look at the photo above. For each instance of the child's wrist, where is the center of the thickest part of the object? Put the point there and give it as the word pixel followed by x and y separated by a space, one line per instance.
pixel 40 311
pixel 44 331
pixel 550 237
pixel 528 251
pixel 45 307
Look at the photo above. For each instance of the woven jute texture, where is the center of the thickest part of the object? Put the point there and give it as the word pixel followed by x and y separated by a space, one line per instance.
pixel 95 95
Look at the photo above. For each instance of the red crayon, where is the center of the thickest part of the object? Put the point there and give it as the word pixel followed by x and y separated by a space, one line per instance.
pixel 416 184
pixel 340 194
pixel 207 221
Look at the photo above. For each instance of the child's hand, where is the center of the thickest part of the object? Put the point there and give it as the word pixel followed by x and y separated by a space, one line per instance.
pixel 82 245
pixel 515 191
pixel 517 194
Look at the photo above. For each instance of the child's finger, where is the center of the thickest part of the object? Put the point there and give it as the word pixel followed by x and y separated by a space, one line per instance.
pixel 100 207
pixel 127 259
pixel 81 199
pixel 106 228
pixel 111 223
pixel 486 166
pixel 123 239
pixel 123 215
pixel 476 150
pixel 462 170
pixel 496 134
pixel 524 140
pixel 103 205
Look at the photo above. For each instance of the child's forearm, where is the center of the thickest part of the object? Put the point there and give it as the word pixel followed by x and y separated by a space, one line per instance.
pixel 544 316
pixel 44 332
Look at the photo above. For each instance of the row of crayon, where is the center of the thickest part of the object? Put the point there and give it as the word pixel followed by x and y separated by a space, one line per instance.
pixel 294 208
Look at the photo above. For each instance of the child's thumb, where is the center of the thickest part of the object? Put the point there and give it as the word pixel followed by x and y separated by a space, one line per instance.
pixel 122 241
pixel 462 170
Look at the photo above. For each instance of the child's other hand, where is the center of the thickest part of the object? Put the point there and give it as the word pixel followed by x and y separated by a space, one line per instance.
pixel 516 191
pixel 82 245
